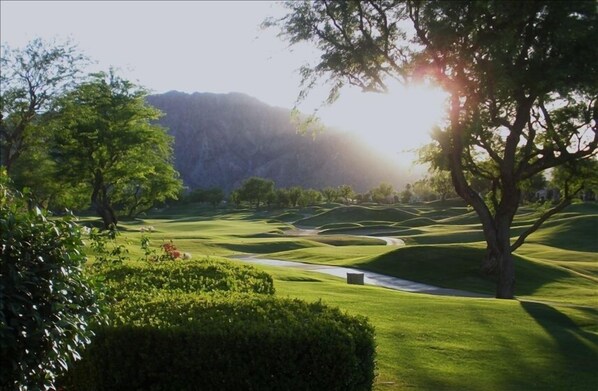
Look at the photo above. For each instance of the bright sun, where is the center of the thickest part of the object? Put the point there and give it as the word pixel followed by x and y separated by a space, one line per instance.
pixel 393 123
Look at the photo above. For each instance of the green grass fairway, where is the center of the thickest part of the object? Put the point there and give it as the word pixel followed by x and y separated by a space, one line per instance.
pixel 545 340
pixel 443 343
pixel 356 213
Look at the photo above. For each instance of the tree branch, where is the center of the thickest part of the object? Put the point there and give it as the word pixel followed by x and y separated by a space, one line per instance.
pixel 566 201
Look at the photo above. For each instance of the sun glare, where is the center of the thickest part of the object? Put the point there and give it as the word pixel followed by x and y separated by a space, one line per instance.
pixel 395 123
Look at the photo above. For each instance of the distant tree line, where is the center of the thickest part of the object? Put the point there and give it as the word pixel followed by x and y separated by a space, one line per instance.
pixel 259 192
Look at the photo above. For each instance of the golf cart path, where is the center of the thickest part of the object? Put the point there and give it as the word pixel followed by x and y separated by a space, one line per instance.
pixel 370 278
pixel 390 241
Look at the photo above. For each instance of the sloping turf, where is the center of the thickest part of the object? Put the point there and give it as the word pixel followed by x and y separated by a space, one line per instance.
pixel 355 214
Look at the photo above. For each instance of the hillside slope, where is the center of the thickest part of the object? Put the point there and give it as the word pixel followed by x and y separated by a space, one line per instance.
pixel 222 139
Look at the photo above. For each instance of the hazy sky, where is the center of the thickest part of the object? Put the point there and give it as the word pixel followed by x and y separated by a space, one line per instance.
pixel 217 47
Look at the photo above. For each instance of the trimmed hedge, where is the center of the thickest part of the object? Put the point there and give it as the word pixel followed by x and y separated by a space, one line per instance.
pixel 207 275
pixel 240 342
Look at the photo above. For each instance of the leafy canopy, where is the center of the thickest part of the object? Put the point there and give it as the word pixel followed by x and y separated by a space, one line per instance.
pixel 522 79
pixel 106 141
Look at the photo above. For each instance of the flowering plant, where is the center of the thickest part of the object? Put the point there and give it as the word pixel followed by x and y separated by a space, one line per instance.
pixel 170 251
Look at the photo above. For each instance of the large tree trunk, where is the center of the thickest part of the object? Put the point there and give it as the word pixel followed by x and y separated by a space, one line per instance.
pixel 490 264
pixel 106 212
pixel 505 287
pixel 499 262
pixel 101 203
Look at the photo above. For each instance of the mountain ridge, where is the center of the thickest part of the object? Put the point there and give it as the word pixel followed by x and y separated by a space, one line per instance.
pixel 223 139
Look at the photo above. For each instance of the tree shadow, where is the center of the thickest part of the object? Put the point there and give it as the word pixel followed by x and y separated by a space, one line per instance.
pixel 458 267
pixel 507 356
pixel 579 347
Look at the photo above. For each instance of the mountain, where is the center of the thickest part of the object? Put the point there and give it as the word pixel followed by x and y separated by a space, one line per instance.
pixel 223 139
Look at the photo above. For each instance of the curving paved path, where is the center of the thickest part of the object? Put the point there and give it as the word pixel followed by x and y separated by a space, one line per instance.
pixel 390 241
pixel 370 278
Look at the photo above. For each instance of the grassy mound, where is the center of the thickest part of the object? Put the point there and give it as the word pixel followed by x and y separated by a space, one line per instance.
pixel 288 216
pixel 579 233
pixel 348 240
pixel 262 246
pixel 416 222
pixel 352 214
pixel 458 267
pixel 468 217
pixel 340 225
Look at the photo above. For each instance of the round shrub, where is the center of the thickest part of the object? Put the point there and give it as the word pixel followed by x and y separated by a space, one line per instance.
pixel 238 342
pixel 45 304
pixel 194 276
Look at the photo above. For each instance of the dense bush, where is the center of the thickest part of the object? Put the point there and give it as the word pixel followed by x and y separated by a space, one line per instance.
pixel 242 342
pixel 45 304
pixel 194 276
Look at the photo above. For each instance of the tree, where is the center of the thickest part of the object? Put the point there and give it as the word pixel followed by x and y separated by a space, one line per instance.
pixel 575 177
pixel 105 140
pixel 310 197
pixel 346 192
pixel 295 194
pixel 212 196
pixel 255 190
pixel 442 184
pixel 235 197
pixel 522 82
pixel 531 186
pixel 382 193
pixel 282 198
pixel 406 194
pixel 31 80
pixel 330 194
pixel 422 190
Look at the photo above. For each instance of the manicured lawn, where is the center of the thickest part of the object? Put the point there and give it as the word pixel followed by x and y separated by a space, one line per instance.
pixel 546 340
pixel 443 343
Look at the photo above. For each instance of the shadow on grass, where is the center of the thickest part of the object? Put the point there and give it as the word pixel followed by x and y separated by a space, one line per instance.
pixel 578 347
pixel 458 267
pixel 266 247
pixel 472 347
pixel 577 233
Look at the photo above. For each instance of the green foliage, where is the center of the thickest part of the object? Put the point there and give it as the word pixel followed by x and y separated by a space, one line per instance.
pixel 521 83
pixel 406 194
pixel 442 184
pixel 215 325
pixel 423 191
pixel 382 194
pixel 330 194
pixel 576 176
pixel 32 78
pixel 184 342
pixel 255 190
pixel 105 139
pixel 105 248
pixel 46 304
pixel 212 196
pixel 283 198
pixel 531 186
pixel 346 192
pixel 310 197
pixel 195 276
pixel 295 194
